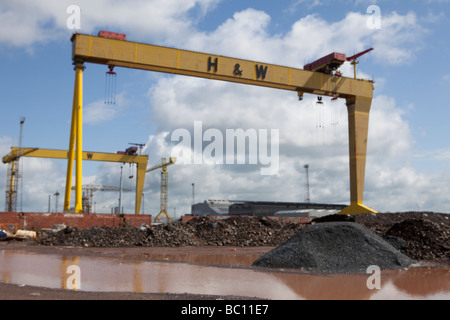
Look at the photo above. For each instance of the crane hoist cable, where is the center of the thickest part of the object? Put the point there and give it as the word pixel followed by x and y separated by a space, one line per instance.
pixel 110 86
pixel 320 123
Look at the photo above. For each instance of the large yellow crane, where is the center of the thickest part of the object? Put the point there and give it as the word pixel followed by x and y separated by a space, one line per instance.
pixel 164 186
pixel 141 162
pixel 112 49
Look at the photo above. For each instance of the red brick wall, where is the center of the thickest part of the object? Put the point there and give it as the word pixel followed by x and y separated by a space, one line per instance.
pixel 39 220
pixel 9 221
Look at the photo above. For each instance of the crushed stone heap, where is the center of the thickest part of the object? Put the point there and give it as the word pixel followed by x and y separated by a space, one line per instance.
pixel 334 247
pixel 200 231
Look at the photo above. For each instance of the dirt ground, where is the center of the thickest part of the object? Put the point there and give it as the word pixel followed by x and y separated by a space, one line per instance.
pixel 423 236
pixel 15 292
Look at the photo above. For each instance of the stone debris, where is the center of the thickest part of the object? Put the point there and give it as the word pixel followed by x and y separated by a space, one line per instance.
pixel 335 247
pixel 200 231
pixel 419 235
pixel 423 239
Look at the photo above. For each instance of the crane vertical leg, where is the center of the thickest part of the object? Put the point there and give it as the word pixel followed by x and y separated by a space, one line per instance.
pixel 79 149
pixel 358 124
pixel 11 194
pixel 140 178
pixel 70 154
pixel 75 138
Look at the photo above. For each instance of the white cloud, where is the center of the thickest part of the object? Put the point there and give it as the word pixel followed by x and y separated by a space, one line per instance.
pixel 99 111
pixel 387 122
pixel 311 37
pixel 22 26
pixel 26 23
pixel 310 4
pixel 393 41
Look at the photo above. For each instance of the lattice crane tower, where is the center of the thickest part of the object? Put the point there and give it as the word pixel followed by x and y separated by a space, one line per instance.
pixel 164 186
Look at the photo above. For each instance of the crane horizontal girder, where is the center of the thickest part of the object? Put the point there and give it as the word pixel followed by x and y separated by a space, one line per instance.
pixel 109 51
pixel 163 164
pixel 62 154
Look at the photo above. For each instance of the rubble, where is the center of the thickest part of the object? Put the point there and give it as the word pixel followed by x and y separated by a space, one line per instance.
pixel 425 240
pixel 200 231
pixel 419 235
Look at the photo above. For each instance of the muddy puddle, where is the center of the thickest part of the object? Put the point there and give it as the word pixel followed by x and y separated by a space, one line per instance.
pixel 214 274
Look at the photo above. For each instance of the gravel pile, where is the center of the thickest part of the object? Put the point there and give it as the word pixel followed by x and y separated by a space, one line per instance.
pixel 423 239
pixel 200 231
pixel 419 235
pixel 334 247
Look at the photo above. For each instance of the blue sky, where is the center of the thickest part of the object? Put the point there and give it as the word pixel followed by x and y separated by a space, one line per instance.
pixel 408 150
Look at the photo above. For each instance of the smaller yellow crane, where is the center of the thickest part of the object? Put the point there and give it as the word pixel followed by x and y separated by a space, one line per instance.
pixel 164 186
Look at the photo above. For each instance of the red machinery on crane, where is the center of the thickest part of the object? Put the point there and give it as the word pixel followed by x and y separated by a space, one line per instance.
pixel 327 64
pixel 131 151
pixel 333 61
pixel 112 35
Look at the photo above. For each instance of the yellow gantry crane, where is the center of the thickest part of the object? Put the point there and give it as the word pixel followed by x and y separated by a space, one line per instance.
pixel 140 160
pixel 112 49
pixel 164 186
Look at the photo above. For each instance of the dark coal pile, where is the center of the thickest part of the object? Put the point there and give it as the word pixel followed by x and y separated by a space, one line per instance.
pixel 200 231
pixel 425 240
pixel 419 235
pixel 334 247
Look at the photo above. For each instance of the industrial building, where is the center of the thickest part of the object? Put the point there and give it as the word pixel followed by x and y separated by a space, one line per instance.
pixel 264 208
pixel 211 208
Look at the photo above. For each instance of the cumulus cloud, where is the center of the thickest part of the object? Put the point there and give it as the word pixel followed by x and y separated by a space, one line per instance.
pixel 99 111
pixel 26 23
pixel 23 23
pixel 246 35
